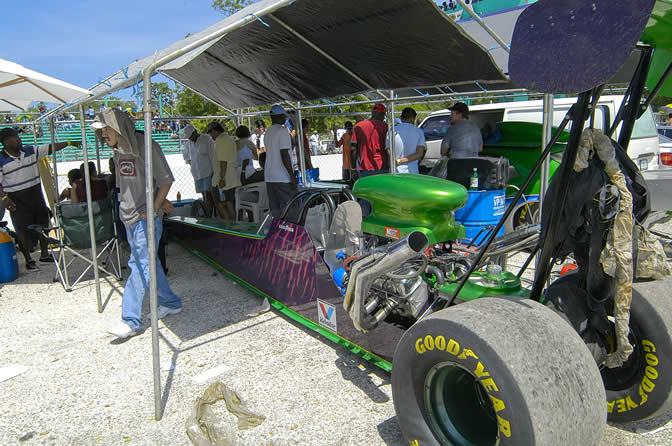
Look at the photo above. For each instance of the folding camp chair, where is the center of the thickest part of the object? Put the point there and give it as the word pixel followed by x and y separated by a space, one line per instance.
pixel 73 232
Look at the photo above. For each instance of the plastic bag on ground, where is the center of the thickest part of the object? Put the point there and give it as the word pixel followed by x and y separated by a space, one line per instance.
pixel 205 428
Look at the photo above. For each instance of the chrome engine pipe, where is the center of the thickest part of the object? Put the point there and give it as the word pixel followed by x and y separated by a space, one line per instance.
pixel 372 305
pixel 381 261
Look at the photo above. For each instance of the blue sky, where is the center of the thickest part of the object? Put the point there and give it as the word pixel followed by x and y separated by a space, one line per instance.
pixel 84 41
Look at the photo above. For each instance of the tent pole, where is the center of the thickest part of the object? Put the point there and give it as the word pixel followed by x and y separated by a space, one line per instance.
pixel 89 207
pixel 300 148
pixel 98 156
pixel 52 126
pixel 546 135
pixel 151 241
pixel 391 136
pixel 547 130
pixel 487 29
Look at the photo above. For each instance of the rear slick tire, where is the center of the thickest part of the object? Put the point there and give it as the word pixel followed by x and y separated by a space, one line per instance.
pixel 642 387
pixel 497 371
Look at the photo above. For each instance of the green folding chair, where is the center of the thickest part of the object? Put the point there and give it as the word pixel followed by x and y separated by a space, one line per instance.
pixel 73 233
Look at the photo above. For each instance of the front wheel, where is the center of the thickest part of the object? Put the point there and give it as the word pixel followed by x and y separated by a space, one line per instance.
pixel 497 371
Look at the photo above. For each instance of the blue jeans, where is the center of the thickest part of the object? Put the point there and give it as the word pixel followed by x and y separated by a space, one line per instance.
pixel 137 284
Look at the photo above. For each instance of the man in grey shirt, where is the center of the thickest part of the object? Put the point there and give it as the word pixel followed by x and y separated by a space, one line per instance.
pixel 118 131
pixel 463 138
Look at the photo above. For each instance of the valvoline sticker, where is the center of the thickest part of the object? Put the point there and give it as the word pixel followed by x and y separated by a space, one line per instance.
pixel 326 315
pixel 391 233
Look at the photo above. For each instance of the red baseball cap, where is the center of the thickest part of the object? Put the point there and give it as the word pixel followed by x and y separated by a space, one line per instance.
pixel 378 108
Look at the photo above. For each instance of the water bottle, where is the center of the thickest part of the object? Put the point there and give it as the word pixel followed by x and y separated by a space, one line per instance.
pixel 473 184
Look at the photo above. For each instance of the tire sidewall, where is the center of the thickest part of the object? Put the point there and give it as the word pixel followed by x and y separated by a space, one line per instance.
pixel 413 360
pixel 649 395
pixel 653 384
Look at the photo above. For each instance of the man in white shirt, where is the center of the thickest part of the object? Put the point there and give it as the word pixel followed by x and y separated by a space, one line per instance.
pixel 409 143
pixel 278 171
pixel 315 143
pixel 199 153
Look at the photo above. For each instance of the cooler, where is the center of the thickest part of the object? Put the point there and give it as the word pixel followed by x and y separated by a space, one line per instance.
pixel 9 268
pixel 482 212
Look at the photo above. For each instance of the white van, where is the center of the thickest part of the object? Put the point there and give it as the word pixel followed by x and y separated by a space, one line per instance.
pixel 643 148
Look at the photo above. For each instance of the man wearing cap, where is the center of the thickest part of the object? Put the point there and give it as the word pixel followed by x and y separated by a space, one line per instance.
pixel 118 131
pixel 463 138
pixel 199 153
pixel 225 177
pixel 368 143
pixel 409 142
pixel 344 141
pixel 21 190
pixel 278 172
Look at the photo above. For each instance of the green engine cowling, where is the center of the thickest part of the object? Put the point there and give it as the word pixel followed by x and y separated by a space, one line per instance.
pixel 405 203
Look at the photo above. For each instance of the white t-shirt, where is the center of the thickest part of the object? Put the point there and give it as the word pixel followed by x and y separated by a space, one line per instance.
pixel 201 154
pixel 245 153
pixel 276 138
pixel 407 138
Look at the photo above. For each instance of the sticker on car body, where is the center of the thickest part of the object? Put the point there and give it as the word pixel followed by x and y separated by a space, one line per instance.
pixel 326 315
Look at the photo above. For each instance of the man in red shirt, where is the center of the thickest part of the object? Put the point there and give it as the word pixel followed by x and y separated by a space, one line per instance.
pixel 368 143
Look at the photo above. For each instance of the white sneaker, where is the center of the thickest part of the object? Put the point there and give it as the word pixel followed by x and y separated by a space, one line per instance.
pixel 121 330
pixel 165 311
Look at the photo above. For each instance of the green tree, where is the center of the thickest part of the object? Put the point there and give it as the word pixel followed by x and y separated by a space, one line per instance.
pixel 114 102
pixel 189 103
pixel 228 7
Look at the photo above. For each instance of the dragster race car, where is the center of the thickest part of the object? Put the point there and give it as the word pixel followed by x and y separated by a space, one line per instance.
pixel 475 357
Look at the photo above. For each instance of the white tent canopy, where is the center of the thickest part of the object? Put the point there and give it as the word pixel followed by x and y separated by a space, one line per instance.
pixel 20 86
pixel 14 104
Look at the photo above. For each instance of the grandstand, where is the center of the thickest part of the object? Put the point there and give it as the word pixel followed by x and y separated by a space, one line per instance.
pixel 71 131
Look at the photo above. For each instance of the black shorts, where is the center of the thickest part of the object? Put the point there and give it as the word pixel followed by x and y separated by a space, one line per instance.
pixel 30 208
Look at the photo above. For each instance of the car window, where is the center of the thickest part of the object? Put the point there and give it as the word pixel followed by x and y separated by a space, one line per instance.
pixel 645 126
pixel 664 140
pixel 435 127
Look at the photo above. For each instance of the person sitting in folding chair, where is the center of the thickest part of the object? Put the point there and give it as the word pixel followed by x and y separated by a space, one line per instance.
pixel 72 234
pixel 21 191
pixel 118 131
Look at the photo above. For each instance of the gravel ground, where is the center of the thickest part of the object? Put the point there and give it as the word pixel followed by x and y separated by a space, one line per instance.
pixel 83 387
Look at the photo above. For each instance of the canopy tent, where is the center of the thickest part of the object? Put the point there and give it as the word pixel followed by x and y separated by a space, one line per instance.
pixel 280 53
pixel 20 86
pixel 14 105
